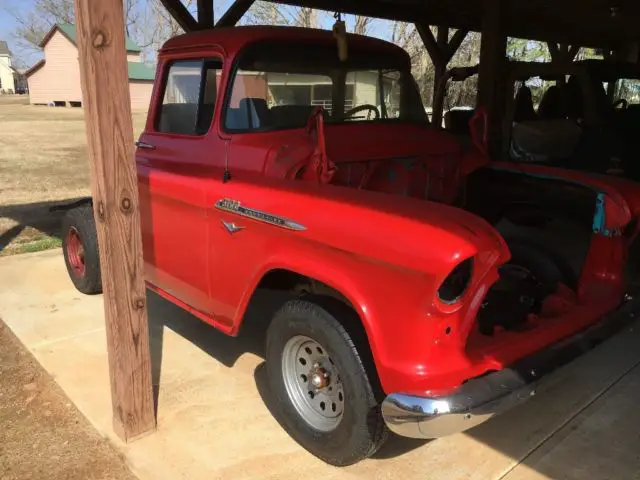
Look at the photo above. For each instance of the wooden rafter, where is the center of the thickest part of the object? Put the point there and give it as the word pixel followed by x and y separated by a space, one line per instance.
pixel 456 40
pixel 430 43
pixel 562 52
pixel 441 49
pixel 205 14
pixel 572 52
pixel 573 22
pixel 180 13
pixel 442 37
pixel 234 13
pixel 114 186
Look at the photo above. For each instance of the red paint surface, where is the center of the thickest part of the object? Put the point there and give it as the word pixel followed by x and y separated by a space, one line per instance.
pixel 387 254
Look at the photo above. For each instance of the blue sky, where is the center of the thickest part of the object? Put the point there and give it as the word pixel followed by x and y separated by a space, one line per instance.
pixel 8 24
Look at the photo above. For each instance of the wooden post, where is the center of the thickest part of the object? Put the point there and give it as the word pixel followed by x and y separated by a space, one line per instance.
pixel 440 68
pixel 205 14
pixel 107 108
pixel 492 59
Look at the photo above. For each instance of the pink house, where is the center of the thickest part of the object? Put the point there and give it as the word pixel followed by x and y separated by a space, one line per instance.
pixel 56 78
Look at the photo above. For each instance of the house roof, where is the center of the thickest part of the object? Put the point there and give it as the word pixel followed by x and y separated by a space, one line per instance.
pixel 4 48
pixel 136 71
pixel 69 31
pixel 140 71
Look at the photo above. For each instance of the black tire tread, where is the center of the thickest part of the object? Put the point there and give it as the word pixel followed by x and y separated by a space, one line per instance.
pixel 82 219
pixel 373 434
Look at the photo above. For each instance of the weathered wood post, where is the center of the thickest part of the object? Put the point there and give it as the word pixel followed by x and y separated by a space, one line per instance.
pixel 107 107
pixel 493 50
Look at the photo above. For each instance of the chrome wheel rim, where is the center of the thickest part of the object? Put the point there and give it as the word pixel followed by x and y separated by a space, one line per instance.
pixel 313 383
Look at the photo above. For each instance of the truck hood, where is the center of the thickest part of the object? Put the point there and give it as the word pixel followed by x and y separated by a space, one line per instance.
pixel 403 232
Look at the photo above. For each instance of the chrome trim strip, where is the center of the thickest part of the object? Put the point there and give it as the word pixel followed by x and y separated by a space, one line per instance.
pixel 234 206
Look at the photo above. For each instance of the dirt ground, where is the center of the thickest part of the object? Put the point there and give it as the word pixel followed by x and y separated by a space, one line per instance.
pixel 42 434
pixel 43 162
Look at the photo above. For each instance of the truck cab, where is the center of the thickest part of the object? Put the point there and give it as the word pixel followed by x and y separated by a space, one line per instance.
pixel 431 287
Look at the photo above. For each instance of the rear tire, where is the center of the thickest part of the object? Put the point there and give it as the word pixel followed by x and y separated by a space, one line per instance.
pixel 80 248
pixel 360 430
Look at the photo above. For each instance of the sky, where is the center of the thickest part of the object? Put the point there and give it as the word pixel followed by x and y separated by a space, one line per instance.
pixel 8 25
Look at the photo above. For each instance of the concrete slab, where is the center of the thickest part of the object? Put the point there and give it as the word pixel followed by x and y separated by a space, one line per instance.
pixel 602 442
pixel 213 406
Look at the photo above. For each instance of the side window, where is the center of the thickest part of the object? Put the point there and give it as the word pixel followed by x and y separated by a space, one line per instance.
pixel 275 100
pixel 190 96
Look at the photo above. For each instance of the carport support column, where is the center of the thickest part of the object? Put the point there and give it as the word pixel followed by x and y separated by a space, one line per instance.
pixel 492 60
pixel 107 107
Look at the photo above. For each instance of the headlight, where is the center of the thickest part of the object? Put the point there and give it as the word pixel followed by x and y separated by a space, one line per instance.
pixel 456 283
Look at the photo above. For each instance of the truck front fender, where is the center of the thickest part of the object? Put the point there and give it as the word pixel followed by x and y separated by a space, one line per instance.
pixel 389 301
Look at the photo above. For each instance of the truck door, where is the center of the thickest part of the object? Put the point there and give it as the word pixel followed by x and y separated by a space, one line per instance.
pixel 174 161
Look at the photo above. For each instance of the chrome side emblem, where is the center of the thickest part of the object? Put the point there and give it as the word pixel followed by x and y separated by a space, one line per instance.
pixel 232 227
pixel 234 206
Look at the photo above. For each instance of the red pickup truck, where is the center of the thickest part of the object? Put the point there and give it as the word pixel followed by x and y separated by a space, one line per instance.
pixel 431 288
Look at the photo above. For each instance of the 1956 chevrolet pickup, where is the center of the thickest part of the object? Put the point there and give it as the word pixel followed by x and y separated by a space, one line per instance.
pixel 431 287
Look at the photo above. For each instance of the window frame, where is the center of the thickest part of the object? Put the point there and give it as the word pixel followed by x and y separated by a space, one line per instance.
pixel 157 113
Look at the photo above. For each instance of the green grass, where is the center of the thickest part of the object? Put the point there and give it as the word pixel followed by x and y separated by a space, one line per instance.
pixel 39 245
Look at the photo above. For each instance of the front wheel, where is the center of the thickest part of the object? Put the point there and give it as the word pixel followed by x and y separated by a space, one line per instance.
pixel 324 397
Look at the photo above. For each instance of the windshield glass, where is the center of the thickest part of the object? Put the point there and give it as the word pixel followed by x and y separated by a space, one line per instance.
pixel 278 86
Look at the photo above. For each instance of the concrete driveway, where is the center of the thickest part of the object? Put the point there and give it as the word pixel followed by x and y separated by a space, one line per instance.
pixel 213 402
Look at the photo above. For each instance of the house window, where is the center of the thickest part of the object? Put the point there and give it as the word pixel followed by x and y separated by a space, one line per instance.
pixel 190 94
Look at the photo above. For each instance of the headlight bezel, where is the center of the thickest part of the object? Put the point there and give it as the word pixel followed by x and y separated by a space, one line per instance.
pixel 457 283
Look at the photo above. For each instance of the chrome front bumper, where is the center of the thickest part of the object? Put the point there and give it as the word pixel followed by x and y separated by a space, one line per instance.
pixel 479 399
pixel 472 404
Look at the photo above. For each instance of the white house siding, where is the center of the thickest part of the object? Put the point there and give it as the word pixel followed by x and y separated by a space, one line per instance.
pixel 6 74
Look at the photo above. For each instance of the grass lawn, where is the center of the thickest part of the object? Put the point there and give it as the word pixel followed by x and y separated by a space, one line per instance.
pixel 43 162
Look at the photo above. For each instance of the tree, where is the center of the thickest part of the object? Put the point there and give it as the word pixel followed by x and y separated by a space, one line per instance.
pixel 362 24
pixel 267 13
pixel 34 23
pixel 146 21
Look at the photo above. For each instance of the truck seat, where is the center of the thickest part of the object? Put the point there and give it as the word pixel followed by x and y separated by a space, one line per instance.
pixel 290 116
pixel 552 104
pixel 457 121
pixel 524 111
pixel 178 118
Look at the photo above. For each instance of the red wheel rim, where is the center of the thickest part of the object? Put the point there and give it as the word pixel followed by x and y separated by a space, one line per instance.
pixel 75 252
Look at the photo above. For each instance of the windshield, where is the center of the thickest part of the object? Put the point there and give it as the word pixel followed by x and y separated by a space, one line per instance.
pixel 278 86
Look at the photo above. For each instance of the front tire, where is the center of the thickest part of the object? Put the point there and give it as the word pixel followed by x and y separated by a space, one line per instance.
pixel 324 398
pixel 80 248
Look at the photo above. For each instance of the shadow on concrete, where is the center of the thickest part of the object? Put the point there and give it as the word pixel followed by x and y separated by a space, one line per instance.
pixel 227 350
pixel 37 216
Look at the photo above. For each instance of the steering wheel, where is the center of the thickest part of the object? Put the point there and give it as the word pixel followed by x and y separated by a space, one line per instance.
pixel 361 108
pixel 621 103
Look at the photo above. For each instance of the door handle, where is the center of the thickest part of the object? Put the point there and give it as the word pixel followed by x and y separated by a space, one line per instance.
pixel 146 146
